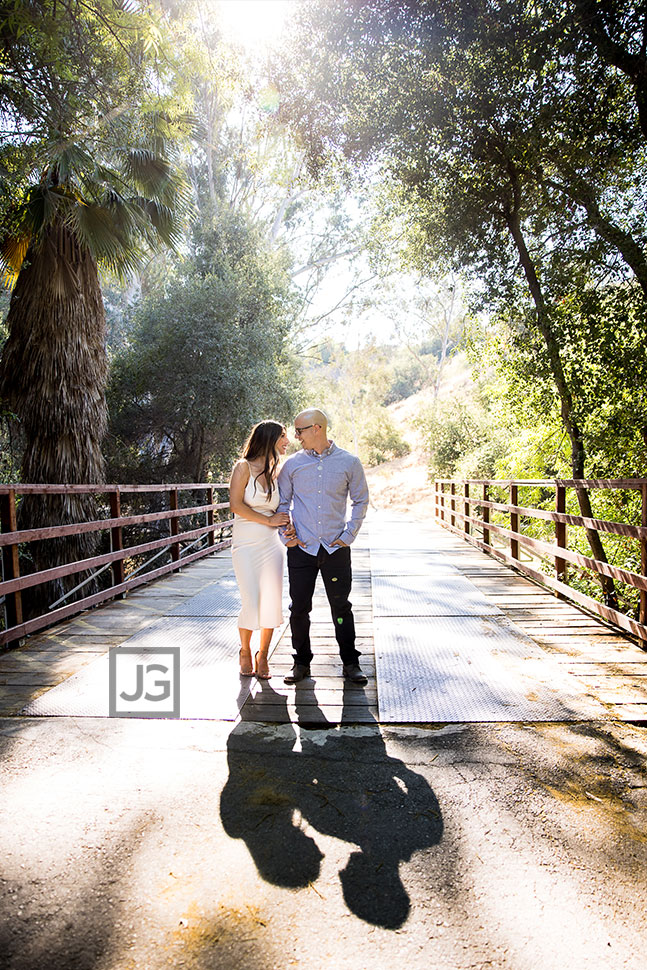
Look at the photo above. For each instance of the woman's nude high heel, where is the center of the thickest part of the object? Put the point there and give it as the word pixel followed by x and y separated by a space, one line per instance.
pixel 243 673
pixel 260 676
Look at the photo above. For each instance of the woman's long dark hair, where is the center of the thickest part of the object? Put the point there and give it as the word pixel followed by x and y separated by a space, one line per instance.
pixel 261 443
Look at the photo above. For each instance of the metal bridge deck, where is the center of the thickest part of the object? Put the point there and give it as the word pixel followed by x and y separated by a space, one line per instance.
pixel 446 635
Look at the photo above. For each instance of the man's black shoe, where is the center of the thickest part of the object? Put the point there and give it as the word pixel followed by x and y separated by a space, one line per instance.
pixel 354 673
pixel 299 672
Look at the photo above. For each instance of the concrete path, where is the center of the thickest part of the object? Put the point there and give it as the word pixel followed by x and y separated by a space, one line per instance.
pixel 155 844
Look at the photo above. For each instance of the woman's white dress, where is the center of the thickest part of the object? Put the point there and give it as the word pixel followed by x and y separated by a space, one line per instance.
pixel 259 559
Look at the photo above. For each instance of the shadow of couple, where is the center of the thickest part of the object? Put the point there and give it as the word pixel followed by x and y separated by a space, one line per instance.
pixel 342 784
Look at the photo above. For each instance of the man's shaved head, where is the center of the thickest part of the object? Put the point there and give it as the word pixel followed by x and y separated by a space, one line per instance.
pixel 313 416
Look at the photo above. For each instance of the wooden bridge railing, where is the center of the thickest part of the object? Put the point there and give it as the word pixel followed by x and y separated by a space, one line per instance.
pixel 14 543
pixel 457 504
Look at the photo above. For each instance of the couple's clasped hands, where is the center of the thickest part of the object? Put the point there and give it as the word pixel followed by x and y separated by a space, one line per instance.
pixel 280 519
pixel 283 519
pixel 291 534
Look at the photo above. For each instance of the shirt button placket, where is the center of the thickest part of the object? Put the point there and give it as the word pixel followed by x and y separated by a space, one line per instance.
pixel 319 475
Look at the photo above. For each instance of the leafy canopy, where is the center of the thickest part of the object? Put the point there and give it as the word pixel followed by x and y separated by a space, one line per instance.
pixel 89 142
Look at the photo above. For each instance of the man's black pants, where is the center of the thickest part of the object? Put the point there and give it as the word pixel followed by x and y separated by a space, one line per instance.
pixel 337 577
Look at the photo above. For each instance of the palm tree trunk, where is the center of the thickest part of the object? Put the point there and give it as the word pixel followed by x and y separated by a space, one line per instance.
pixel 53 374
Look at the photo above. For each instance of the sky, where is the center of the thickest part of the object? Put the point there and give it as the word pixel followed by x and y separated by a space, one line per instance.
pixel 256 24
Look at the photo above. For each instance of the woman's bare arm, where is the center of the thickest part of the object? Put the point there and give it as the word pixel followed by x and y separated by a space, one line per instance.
pixel 239 478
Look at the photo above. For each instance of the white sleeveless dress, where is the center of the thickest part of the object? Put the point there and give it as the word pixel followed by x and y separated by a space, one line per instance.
pixel 259 560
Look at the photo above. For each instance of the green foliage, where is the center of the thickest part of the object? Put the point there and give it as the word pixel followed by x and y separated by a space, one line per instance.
pixel 407 376
pixel 537 451
pixel 601 333
pixel 510 151
pixel 92 136
pixel 382 441
pixel 207 358
pixel 456 438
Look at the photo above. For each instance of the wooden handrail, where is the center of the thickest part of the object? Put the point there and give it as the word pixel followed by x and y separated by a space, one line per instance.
pixel 548 550
pixel 98 525
pixel 557 551
pixel 83 565
pixel 21 489
pixel 601 525
pixel 13 540
pixel 552 482
pixel 38 623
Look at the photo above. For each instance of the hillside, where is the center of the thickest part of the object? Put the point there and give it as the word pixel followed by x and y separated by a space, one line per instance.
pixel 402 485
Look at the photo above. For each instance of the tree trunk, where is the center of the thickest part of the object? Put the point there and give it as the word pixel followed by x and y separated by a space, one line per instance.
pixel 209 113
pixel 566 401
pixel 53 374
pixel 634 66
pixel 583 195
pixel 447 315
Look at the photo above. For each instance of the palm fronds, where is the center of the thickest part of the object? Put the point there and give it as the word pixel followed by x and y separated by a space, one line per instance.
pixel 13 249
pixel 120 200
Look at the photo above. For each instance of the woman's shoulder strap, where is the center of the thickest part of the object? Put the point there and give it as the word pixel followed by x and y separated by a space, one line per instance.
pixel 243 466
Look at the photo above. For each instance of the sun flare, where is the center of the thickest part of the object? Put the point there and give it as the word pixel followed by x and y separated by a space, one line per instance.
pixel 253 23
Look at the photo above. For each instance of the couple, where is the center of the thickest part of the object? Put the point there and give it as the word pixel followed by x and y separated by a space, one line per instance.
pixel 314 485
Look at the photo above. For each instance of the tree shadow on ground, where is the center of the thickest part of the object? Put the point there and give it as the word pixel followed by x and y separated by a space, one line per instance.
pixel 343 785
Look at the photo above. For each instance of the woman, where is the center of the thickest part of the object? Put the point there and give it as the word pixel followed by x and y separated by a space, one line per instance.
pixel 257 551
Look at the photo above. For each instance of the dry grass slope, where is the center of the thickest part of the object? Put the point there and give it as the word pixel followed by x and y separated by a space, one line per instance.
pixel 402 485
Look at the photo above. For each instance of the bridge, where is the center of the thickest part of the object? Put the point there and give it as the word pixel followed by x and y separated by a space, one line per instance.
pixel 479 803
pixel 447 632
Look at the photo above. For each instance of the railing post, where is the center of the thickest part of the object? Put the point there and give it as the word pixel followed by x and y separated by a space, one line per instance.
pixel 466 506
pixel 211 539
pixel 173 506
pixel 486 516
pixel 116 541
pixel 10 562
pixel 452 503
pixel 643 560
pixel 514 522
pixel 560 532
pixel 442 501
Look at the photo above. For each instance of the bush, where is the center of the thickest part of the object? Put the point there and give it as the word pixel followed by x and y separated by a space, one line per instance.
pixel 407 378
pixel 382 442
pixel 451 430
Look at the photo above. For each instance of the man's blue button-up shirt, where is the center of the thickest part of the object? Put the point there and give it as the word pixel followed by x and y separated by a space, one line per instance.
pixel 315 489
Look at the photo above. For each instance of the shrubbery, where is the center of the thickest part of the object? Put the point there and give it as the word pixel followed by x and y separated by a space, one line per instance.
pixel 382 441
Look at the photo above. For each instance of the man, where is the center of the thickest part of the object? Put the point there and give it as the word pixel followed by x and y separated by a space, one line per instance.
pixel 315 485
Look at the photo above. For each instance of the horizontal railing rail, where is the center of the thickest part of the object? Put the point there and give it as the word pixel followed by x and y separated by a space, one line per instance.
pixel 456 504
pixel 15 546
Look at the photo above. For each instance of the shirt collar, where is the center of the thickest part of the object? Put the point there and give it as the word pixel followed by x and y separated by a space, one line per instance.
pixel 329 450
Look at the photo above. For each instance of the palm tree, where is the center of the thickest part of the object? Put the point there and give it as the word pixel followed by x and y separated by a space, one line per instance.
pixel 103 199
